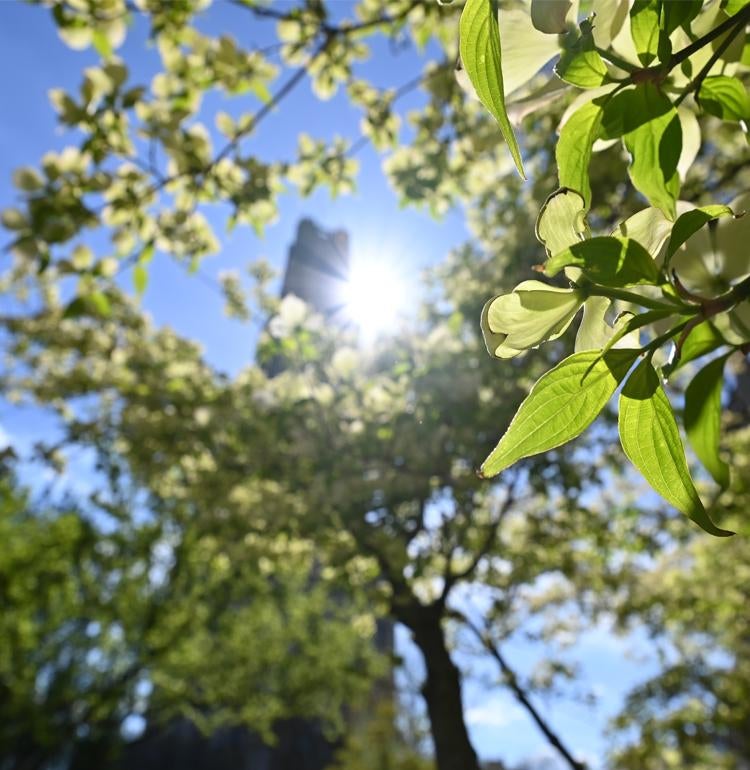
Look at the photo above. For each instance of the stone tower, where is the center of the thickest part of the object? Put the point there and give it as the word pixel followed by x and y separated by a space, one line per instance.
pixel 318 268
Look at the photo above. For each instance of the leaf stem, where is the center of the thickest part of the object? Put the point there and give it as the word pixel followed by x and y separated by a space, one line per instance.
pixel 741 17
pixel 658 72
pixel 597 290
pixel 616 59
pixel 695 84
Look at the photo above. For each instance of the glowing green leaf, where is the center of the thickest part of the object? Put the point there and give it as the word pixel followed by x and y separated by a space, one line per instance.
pixel 725 97
pixel 651 440
pixel 573 151
pixel 560 406
pixel 481 56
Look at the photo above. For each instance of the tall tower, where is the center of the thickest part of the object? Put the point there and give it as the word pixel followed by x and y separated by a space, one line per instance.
pixel 318 268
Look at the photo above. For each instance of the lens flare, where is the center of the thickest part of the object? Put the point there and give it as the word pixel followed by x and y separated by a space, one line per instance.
pixel 374 297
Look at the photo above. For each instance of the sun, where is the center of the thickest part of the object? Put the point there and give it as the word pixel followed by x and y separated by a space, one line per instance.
pixel 375 297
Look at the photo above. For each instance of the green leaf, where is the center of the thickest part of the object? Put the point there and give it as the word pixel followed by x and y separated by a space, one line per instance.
pixel 573 151
pixel 702 340
pixel 585 69
pixel 561 221
pixel 608 260
pixel 734 6
pixel 703 418
pixel 679 13
pixel 655 147
pixel 651 440
pixel 27 179
pixel 559 407
pixel 632 324
pixel 690 222
pixel 13 219
pixel 652 133
pixel 725 97
pixel 479 40
pixel 95 303
pixel 644 29
pixel 581 65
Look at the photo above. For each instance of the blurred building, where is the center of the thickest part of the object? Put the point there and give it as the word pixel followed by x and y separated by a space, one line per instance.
pixel 318 268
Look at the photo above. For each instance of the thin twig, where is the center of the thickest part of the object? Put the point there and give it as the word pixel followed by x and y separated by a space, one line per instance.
pixel 522 697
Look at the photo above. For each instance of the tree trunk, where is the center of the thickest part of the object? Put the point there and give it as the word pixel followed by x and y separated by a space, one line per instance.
pixel 441 690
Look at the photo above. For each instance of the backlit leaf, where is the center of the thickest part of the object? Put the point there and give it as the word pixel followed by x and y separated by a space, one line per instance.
pixel 651 131
pixel 651 440
pixel 690 222
pixel 561 221
pixel 560 406
pixel 644 28
pixel 481 56
pixel 701 340
pixel 725 97
pixel 573 151
pixel 581 65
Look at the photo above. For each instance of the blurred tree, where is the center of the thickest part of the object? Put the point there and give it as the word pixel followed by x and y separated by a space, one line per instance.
pixel 110 616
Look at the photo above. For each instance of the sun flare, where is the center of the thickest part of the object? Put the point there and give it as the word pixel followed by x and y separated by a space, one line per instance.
pixel 375 297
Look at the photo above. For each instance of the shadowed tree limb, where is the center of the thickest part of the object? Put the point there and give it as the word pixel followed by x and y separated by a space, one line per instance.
pixel 522 696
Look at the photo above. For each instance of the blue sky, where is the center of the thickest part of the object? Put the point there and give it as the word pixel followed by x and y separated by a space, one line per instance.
pixel 33 60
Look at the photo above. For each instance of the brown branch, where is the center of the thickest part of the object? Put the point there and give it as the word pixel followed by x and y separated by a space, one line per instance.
pixel 522 696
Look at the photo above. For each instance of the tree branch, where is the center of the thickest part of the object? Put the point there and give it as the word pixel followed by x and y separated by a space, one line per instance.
pixel 523 698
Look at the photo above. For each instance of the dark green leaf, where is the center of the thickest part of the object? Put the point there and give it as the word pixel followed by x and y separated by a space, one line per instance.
pixel 703 418
pixel 608 260
pixel 651 440
pixel 679 13
pixel 94 303
pixel 481 56
pixel 559 407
